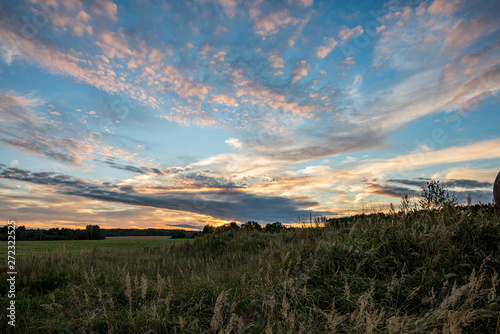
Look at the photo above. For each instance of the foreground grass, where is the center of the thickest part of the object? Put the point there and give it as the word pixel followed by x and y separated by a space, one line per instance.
pixel 424 272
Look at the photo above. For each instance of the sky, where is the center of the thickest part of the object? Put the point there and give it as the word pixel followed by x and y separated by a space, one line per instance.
pixel 178 114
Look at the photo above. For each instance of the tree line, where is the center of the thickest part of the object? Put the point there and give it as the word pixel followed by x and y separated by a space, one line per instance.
pixel 91 232
pixel 248 226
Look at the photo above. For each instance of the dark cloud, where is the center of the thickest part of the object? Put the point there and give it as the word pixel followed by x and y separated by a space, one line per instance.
pixel 203 180
pixel 420 182
pixel 467 184
pixel 449 183
pixel 407 187
pixel 390 191
pixel 128 189
pixel 129 168
pixel 228 204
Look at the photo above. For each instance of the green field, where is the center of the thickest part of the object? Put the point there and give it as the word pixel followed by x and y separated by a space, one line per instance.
pixel 429 271
pixel 108 245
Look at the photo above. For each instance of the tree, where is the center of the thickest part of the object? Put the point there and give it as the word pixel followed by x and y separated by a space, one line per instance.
pixel 434 196
pixel 208 229
pixel 180 235
pixel 251 225
pixel 94 232
pixel 274 227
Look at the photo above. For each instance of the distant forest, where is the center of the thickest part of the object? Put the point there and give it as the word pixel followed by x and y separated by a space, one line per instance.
pixel 126 232
pixel 91 232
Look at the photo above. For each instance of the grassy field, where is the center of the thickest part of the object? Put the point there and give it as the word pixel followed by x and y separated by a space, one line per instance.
pixel 108 245
pixel 421 272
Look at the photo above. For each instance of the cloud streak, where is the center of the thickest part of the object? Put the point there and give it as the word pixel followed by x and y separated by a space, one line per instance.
pixel 227 204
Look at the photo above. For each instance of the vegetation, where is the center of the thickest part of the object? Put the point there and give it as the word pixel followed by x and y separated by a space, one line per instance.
pixel 91 232
pixel 435 196
pixel 420 271
pixel 124 232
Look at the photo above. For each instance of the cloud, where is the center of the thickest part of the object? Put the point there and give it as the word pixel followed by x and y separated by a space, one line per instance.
pixel 111 162
pixel 300 71
pixel 113 45
pixel 271 23
pixel 105 8
pixel 234 142
pixel 229 6
pixel 460 189
pixel 302 3
pixel 444 7
pixel 227 204
pixel 389 190
pixel 220 56
pixel 225 100
pixel 40 207
pixel 23 130
pixel 276 61
pixel 477 87
pixel 465 33
pixel 323 51
pixel 483 150
pixel 402 16
pixel 68 62
pixel 346 33
pixel 78 23
pixel 480 175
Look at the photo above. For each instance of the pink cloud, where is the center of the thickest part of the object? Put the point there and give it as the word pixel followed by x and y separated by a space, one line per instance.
pixel 465 33
pixel 78 23
pixel 225 100
pixel 346 33
pixel 113 45
pixel 229 7
pixel 402 15
pixel 270 24
pixel 444 7
pixel 303 3
pixel 300 71
pixel 276 61
pixel 97 73
pixel 105 8
pixel 323 51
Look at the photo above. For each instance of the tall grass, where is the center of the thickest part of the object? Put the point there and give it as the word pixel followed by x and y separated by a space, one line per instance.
pixel 420 272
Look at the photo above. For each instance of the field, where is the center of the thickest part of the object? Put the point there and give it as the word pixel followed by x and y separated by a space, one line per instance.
pixel 433 271
pixel 109 245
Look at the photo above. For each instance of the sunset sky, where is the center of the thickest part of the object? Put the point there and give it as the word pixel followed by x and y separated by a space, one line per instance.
pixel 178 114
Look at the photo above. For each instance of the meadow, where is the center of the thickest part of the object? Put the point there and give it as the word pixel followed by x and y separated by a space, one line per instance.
pixel 419 271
